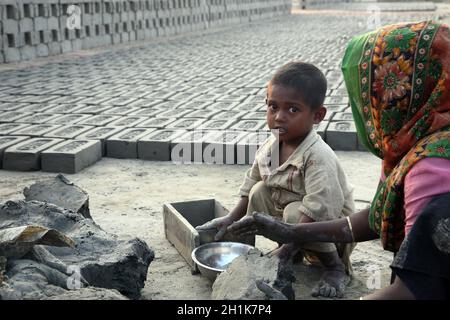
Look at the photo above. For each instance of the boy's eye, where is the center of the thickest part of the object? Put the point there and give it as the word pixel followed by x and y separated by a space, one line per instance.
pixel 272 106
pixel 293 109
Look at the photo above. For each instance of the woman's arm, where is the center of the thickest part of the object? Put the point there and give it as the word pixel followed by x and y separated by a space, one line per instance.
pixel 337 230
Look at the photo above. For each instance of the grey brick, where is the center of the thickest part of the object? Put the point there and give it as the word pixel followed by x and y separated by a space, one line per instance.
pixel 178 113
pixel 124 144
pixel 96 109
pixel 12 106
pixel 229 114
pixel 221 147
pixel 188 148
pixel 65 108
pixel 205 114
pixel 342 116
pixel 342 136
pixel 100 133
pixel 255 115
pixel 218 124
pixel 122 111
pixel 71 156
pixel 42 50
pixel 68 132
pixel 147 112
pixel 38 118
pixel 66 46
pixel 120 101
pixel 26 155
pixel 128 121
pixel 7 128
pixel 193 105
pixel 321 129
pixel 69 119
pixel 54 48
pixel 186 124
pixel 10 26
pixel 222 105
pixel 11 116
pixel 35 130
pixel 249 107
pixel 249 144
pixel 99 120
pixel 158 123
pixel 249 125
pixel 36 107
pixel 11 54
pixel 157 145
pixel 339 100
pixel 6 142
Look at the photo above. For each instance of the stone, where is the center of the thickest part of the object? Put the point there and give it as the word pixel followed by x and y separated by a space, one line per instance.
pixel 124 145
pixel 238 281
pixel 71 156
pixel 61 192
pixel 157 145
pixel 90 293
pixel 98 258
pixel 26 155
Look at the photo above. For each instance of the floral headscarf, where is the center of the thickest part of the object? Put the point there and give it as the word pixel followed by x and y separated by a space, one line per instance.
pixel 398 80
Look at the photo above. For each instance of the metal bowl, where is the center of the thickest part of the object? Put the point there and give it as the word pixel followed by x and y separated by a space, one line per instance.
pixel 215 257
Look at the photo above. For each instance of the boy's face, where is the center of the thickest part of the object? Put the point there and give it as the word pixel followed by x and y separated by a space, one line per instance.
pixel 287 113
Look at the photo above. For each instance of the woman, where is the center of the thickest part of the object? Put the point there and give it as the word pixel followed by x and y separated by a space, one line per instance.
pixel 398 80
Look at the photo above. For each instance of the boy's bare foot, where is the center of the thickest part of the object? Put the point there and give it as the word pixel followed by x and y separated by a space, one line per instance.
pixel 332 284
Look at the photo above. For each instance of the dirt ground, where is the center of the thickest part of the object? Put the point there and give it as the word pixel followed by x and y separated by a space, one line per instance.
pixel 126 198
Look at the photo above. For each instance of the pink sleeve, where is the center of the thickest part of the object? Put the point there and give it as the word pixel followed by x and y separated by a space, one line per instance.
pixel 427 178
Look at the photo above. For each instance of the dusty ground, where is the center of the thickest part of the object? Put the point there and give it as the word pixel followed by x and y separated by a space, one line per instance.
pixel 126 198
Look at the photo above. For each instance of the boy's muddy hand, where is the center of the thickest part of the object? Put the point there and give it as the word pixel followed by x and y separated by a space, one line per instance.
pixel 265 225
pixel 220 224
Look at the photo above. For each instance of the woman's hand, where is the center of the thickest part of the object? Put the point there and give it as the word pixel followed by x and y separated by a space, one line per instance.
pixel 265 225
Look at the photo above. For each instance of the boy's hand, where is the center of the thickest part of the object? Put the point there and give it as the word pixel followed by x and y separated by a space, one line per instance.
pixel 220 224
pixel 265 225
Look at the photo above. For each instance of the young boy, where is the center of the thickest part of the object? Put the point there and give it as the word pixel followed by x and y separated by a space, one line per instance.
pixel 307 184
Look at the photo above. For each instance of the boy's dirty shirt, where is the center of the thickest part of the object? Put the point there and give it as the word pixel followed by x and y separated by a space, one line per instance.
pixel 312 175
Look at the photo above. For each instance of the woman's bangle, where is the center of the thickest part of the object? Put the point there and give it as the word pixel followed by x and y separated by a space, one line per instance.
pixel 351 228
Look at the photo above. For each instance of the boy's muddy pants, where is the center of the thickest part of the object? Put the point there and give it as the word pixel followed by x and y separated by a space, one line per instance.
pixel 260 200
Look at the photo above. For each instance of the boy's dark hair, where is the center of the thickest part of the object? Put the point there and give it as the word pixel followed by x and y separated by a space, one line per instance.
pixel 304 77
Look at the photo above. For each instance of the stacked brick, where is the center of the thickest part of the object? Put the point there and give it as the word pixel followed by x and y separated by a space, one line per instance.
pixel 39 28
